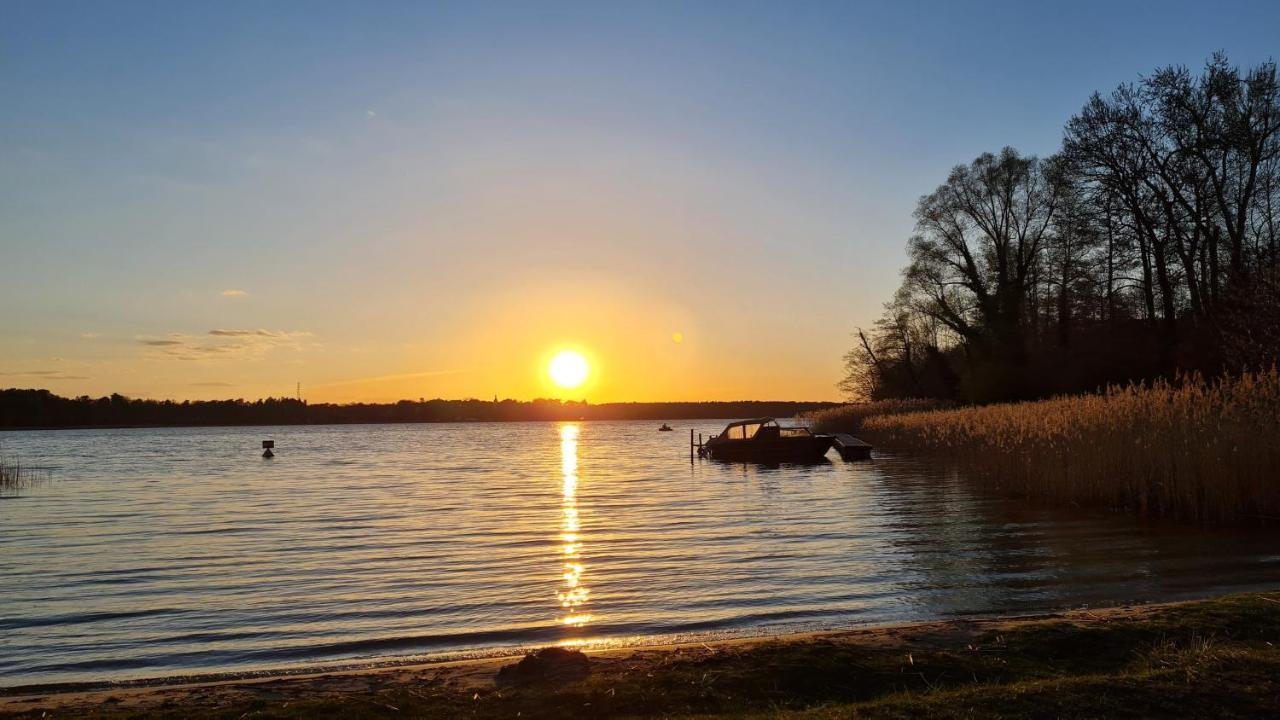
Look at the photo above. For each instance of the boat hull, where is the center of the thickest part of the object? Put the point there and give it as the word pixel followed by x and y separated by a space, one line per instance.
pixel 773 450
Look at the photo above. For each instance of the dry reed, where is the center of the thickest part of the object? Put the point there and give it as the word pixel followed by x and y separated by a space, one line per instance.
pixel 1191 449
pixel 9 473
pixel 14 476
pixel 849 418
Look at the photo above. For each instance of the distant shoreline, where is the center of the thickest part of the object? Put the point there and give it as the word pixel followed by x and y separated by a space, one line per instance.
pixel 692 418
pixel 43 410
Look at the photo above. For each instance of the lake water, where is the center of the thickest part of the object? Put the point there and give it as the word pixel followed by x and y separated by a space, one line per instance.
pixel 162 551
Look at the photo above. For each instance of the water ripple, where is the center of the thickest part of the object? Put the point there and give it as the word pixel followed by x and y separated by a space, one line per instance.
pixel 164 551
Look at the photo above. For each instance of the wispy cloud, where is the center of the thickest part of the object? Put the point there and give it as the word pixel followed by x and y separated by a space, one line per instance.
pixel 259 333
pixel 90 335
pixel 233 293
pixel 44 374
pixel 222 343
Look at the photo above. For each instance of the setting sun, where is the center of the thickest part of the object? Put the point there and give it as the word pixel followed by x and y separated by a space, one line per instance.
pixel 568 369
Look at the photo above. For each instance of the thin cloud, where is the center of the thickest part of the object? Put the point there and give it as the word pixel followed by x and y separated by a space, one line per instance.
pixel 223 343
pixel 235 293
pixel 259 333
pixel 44 374
pixel 90 335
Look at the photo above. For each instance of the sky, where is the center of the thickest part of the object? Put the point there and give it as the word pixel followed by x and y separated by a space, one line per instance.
pixel 389 200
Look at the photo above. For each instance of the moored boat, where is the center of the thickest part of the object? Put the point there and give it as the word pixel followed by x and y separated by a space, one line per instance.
pixel 764 440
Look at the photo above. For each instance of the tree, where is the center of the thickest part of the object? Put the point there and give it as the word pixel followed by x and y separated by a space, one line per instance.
pixel 978 244
pixel 1150 245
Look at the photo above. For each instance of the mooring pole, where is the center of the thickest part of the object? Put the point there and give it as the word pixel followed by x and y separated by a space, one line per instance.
pixel 690 444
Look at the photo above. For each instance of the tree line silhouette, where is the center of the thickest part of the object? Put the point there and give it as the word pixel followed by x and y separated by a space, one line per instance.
pixel 41 408
pixel 1149 245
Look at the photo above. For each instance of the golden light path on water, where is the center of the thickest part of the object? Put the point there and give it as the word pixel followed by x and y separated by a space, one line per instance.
pixel 573 594
pixel 176 551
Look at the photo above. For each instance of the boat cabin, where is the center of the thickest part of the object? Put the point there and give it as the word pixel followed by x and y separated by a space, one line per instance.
pixel 762 429
pixel 764 440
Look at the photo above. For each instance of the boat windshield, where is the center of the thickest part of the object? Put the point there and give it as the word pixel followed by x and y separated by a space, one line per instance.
pixel 742 432
pixel 794 432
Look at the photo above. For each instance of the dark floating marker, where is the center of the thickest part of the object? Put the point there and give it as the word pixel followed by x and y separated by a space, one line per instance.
pixel 266 448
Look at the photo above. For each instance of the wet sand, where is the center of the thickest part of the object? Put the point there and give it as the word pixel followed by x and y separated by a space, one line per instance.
pixel 476 677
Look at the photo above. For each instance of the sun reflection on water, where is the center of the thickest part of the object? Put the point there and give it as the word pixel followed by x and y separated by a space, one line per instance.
pixel 573 594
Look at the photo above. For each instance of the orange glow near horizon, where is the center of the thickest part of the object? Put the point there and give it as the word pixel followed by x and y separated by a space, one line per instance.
pixel 638 345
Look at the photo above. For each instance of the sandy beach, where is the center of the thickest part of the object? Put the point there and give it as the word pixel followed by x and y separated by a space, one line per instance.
pixel 909 662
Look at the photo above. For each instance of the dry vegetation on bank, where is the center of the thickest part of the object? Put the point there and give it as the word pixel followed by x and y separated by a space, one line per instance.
pixel 1195 449
pixel 849 418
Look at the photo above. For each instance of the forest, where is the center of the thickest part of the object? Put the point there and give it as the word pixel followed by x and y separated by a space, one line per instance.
pixel 1146 247
pixel 43 409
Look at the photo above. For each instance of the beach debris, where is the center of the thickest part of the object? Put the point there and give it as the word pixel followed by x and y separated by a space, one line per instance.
pixel 552 664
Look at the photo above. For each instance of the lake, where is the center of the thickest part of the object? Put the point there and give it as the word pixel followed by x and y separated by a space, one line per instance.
pixel 152 552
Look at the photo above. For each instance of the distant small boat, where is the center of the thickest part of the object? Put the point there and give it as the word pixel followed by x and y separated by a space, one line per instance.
pixel 764 440
pixel 665 428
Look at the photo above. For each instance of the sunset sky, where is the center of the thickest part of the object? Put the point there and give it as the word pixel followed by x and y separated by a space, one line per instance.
pixel 385 201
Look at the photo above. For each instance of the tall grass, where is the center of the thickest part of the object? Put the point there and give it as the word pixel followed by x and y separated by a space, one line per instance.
pixel 8 473
pixel 13 476
pixel 1192 449
pixel 849 418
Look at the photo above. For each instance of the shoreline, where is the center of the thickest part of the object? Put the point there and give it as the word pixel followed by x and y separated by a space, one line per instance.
pixel 477 421
pixel 484 656
pixel 449 684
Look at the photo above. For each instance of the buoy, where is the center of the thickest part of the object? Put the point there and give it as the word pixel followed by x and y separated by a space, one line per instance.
pixel 266 448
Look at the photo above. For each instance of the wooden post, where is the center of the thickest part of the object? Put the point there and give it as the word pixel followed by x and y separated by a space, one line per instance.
pixel 690 444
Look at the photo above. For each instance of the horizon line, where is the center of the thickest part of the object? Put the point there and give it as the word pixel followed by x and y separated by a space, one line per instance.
pixel 495 401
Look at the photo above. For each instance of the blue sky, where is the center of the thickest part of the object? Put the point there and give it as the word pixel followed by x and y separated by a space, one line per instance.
pixel 422 199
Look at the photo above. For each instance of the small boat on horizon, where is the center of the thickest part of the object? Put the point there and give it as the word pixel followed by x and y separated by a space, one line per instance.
pixel 665 428
pixel 764 440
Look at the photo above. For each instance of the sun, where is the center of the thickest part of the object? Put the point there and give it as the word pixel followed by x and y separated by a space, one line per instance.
pixel 568 369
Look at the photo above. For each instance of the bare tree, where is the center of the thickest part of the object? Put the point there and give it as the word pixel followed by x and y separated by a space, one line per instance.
pixel 1149 245
pixel 978 244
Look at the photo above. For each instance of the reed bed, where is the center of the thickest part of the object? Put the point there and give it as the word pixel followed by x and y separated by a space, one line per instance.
pixel 849 418
pixel 14 476
pixel 9 473
pixel 1191 449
